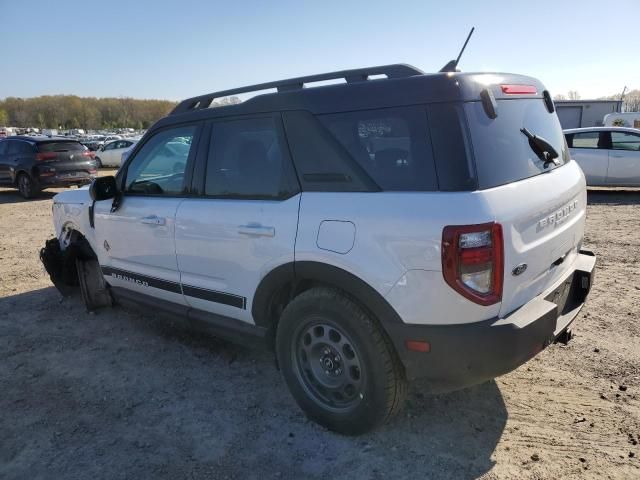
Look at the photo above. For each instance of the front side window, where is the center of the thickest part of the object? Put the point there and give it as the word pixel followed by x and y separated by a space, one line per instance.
pixel 158 167
pixel 625 141
pixel 390 144
pixel 246 160
pixel 585 140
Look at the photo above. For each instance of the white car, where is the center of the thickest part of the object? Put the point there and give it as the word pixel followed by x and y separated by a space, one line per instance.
pixel 423 226
pixel 110 154
pixel 608 156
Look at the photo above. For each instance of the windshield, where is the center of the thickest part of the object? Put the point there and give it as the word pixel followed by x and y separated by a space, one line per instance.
pixel 503 154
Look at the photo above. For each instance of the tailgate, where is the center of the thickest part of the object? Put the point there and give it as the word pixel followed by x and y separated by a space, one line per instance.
pixel 543 221
pixel 536 193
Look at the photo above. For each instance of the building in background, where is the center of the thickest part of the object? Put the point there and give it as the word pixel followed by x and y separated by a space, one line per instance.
pixel 585 113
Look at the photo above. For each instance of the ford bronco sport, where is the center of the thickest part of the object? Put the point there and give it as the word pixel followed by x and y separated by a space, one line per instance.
pixel 392 227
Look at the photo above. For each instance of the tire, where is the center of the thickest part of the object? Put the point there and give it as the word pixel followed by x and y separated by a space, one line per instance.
pixel 27 187
pixel 338 363
pixel 98 162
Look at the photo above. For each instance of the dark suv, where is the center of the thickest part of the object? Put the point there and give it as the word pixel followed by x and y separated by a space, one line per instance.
pixel 33 164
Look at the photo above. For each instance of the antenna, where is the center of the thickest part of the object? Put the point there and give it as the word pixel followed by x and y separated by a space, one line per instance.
pixel 451 66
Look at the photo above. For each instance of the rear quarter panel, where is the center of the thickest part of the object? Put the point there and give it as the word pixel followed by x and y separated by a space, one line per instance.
pixel 397 247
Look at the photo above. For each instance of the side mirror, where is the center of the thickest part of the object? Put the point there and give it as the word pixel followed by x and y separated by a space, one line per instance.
pixel 103 188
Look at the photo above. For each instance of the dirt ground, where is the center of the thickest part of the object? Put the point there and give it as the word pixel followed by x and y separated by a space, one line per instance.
pixel 119 395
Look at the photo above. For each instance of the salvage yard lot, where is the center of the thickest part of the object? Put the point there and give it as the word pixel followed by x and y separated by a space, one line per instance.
pixel 120 395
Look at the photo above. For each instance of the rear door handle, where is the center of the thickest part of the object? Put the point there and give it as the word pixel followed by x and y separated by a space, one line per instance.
pixel 257 230
pixel 153 220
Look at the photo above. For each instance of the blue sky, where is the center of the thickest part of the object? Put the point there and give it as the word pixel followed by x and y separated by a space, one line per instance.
pixel 180 48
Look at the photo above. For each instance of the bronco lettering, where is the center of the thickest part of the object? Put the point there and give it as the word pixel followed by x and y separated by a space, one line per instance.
pixel 129 279
pixel 558 216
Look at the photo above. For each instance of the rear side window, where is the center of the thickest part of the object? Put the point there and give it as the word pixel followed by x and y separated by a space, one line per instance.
pixel 60 147
pixel 17 146
pixel 501 151
pixel 322 164
pixel 390 145
pixel 247 159
pixel 625 141
pixel 451 151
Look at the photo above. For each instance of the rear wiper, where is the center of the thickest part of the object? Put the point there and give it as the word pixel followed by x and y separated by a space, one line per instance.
pixel 543 149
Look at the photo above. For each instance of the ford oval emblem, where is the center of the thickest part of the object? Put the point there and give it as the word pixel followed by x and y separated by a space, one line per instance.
pixel 519 269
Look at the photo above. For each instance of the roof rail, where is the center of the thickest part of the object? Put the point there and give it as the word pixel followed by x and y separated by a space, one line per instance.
pixel 399 70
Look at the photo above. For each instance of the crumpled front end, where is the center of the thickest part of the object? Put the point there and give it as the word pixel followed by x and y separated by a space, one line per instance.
pixel 60 265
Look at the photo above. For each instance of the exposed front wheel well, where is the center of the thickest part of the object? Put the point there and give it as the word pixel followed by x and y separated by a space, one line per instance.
pixel 76 247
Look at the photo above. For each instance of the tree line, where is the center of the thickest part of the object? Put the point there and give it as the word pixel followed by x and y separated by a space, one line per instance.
pixel 71 111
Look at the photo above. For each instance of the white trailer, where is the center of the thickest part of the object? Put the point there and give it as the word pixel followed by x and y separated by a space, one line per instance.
pixel 626 119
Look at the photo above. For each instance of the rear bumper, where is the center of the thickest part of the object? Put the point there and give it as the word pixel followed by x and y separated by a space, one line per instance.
pixel 467 354
pixel 65 181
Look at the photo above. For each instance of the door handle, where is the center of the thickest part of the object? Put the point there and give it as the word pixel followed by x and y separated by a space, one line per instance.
pixel 257 230
pixel 617 155
pixel 153 220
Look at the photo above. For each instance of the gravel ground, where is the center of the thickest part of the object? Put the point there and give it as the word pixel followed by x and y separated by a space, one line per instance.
pixel 120 395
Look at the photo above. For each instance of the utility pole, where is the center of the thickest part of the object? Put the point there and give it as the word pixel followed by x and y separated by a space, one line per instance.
pixel 622 98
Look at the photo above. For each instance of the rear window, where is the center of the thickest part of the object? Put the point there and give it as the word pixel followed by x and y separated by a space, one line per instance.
pixel 501 151
pixel 64 146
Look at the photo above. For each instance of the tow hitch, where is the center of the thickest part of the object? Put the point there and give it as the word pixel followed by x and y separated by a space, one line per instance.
pixel 564 337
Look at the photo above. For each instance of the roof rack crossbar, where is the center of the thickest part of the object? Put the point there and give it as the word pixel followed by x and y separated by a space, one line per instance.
pixel 399 70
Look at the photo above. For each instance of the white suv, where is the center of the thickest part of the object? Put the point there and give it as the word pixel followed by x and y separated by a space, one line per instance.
pixel 371 232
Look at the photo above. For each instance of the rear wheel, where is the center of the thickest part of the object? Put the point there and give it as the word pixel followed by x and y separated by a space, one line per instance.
pixel 27 187
pixel 338 363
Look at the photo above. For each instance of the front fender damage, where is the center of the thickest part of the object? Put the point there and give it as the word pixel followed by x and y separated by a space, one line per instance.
pixel 73 266
pixel 60 265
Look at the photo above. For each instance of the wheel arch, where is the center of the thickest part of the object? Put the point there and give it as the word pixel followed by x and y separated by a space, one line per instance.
pixel 287 281
pixel 19 172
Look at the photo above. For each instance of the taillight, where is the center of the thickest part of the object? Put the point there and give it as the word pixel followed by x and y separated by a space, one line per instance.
pixel 46 155
pixel 473 262
pixel 89 153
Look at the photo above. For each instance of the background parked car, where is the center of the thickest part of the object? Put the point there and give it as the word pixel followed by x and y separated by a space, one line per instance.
pixel 126 153
pixel 92 144
pixel 609 156
pixel 110 154
pixel 33 164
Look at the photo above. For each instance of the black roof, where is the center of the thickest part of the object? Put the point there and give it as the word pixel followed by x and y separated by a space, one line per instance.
pixel 403 85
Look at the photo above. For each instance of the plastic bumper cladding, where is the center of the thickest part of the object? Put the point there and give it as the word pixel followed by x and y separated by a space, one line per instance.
pixel 467 354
